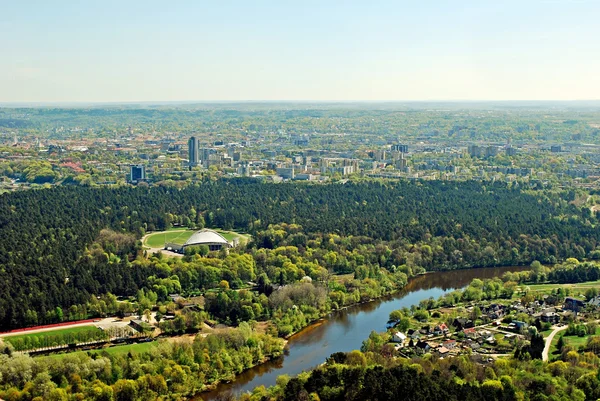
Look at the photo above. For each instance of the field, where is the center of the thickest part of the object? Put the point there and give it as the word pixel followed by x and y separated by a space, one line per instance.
pixel 116 350
pixel 180 235
pixel 177 236
pixel 55 337
pixel 574 341
pixel 576 289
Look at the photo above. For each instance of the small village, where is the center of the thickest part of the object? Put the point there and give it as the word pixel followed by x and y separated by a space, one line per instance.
pixel 489 329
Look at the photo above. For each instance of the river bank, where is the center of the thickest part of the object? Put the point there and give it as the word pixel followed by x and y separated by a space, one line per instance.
pixel 344 330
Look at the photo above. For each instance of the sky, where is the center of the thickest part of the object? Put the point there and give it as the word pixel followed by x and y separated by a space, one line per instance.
pixel 325 50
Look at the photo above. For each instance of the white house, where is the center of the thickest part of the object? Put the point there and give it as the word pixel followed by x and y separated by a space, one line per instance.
pixel 398 337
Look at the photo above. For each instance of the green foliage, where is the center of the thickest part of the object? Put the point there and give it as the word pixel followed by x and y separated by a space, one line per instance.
pixel 174 370
pixel 48 231
pixel 56 338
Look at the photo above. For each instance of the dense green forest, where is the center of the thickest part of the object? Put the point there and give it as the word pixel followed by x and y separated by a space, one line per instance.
pixel 54 254
pixel 356 376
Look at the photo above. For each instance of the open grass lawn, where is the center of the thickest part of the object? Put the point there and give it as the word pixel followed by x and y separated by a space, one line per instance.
pixel 229 236
pixel 575 288
pixel 574 341
pixel 158 240
pixel 115 350
pixel 123 349
pixel 180 235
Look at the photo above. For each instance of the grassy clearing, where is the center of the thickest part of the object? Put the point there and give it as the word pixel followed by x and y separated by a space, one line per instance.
pixel 229 236
pixel 574 341
pixel 157 240
pixel 123 349
pixel 115 350
pixel 180 235
pixel 343 277
pixel 575 288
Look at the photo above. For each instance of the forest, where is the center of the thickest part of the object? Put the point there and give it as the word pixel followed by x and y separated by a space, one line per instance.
pixel 167 371
pixel 62 245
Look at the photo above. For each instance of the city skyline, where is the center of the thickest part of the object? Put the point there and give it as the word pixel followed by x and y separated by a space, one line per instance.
pixel 111 52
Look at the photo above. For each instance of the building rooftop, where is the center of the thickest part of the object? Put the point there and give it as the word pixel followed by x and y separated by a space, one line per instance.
pixel 206 236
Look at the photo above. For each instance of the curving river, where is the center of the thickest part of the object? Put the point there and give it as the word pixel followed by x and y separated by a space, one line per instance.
pixel 345 330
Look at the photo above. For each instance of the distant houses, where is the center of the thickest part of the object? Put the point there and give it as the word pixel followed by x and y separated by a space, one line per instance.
pixel 574 304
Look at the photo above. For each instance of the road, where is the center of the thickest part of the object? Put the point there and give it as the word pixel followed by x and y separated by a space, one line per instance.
pixel 549 341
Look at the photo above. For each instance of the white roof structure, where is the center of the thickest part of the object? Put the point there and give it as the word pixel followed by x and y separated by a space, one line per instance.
pixel 208 237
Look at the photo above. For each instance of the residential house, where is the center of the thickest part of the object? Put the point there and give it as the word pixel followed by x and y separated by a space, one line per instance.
pixel 470 332
pixel 517 325
pixel 595 302
pixel 422 346
pixel 461 323
pixel 450 344
pixel 550 317
pixel 573 304
pixel 441 329
pixel 414 334
pixel 399 337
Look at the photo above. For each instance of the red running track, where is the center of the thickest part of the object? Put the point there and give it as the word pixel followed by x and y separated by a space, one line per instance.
pixel 49 326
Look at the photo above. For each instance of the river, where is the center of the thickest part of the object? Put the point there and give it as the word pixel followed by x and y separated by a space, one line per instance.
pixel 345 330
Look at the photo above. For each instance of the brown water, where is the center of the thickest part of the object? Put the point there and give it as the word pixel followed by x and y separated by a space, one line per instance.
pixel 345 330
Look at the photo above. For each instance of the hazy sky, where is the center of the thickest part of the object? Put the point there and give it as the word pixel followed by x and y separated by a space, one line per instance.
pixel 53 50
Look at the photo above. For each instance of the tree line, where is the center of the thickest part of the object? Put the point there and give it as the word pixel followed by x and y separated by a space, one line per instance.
pixel 53 253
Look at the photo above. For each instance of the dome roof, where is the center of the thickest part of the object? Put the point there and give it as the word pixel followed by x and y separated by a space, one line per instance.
pixel 206 237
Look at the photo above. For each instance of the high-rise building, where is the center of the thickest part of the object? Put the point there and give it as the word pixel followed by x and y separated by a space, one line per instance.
pixel 400 148
pixel 137 173
pixel 205 156
pixel 193 151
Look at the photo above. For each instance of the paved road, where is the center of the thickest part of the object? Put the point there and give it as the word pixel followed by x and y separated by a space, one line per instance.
pixel 549 341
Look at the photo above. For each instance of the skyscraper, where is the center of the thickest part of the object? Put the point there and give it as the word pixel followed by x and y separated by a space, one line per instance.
pixel 193 151
pixel 137 173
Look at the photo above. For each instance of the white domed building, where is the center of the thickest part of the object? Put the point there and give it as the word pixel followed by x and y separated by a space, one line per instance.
pixel 212 239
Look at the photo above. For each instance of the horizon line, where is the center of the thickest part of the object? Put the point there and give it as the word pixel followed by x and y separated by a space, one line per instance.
pixel 158 102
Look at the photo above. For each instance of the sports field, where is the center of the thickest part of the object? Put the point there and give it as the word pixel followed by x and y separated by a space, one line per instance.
pixel 180 235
